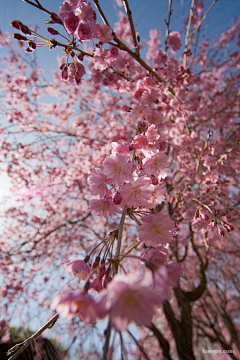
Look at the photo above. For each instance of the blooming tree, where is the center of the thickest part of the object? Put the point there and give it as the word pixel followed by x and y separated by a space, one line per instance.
pixel 124 170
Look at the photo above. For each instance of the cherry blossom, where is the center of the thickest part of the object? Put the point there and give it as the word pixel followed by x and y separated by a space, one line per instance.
pixel 136 193
pixel 77 268
pixel 156 229
pixel 76 303
pixel 103 207
pixel 157 165
pixel 98 183
pixel 129 298
pixel 117 168
pixel 174 40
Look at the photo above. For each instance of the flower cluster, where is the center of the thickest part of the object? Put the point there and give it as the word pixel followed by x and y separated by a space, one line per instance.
pixel 79 20
pixel 124 298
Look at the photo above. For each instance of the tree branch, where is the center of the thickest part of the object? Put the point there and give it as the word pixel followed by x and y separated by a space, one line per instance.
pixel 24 345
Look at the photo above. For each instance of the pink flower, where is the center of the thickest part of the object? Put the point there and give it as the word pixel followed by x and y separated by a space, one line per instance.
pixel 103 33
pixel 156 196
pixel 76 72
pixel 77 268
pixel 140 141
pixel 73 3
pixel 84 31
pixel 129 298
pixel 174 40
pixel 75 303
pixel 156 255
pixel 71 22
pixel 102 60
pixel 152 134
pixel 98 183
pixel 103 207
pixel 65 10
pixel 121 147
pixel 86 13
pixel 117 168
pixel 136 193
pixel 156 229
pixel 157 165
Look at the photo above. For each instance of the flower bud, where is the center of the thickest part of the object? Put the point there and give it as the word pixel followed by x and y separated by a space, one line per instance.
pixel 55 18
pixel 25 30
pixel 32 45
pixel 64 73
pixel 16 24
pixel 117 198
pixel 52 31
pixel 221 232
pixel 19 37
pixel 62 66
pixel 80 56
pixel 230 227
pixel 78 78
pixel 154 180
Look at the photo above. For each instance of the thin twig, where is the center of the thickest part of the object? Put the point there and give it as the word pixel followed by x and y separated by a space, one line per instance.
pixel 119 44
pixel 104 19
pixel 202 19
pixel 187 39
pixel 139 346
pixel 168 30
pixel 107 340
pixel 38 5
pixel 24 345
pixel 120 231
pixel 130 19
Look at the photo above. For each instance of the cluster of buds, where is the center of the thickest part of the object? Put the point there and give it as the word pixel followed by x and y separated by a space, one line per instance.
pixel 223 225
pixel 72 72
pixel 32 44
pixel 16 24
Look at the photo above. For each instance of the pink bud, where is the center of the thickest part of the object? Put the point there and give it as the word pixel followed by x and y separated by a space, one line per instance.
pixel 117 198
pixel 80 56
pixel 26 30
pixel 32 45
pixel 16 24
pixel 154 180
pixel 78 77
pixel 52 31
pixel 230 227
pixel 62 66
pixel 221 232
pixel 19 37
pixel 56 18
pixel 64 73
